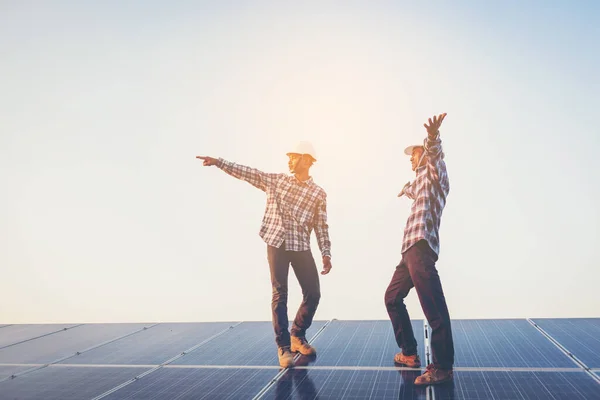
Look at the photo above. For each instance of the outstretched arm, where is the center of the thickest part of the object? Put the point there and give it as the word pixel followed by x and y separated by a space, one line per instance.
pixel 322 233
pixel 433 146
pixel 256 178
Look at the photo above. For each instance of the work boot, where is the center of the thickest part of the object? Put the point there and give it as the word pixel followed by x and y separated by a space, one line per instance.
pixel 300 345
pixel 434 376
pixel 409 361
pixel 286 358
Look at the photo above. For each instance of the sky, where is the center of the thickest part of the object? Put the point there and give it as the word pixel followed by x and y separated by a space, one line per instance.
pixel 106 215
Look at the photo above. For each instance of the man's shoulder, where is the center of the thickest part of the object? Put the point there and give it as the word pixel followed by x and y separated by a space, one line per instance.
pixel 321 193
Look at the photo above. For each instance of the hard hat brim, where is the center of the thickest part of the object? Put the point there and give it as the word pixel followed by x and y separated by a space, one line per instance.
pixel 408 151
pixel 301 154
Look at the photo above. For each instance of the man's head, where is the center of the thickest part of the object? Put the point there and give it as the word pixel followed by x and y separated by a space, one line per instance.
pixel 301 158
pixel 417 156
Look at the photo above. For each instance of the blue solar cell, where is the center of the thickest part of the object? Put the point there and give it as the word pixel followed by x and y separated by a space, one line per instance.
pixel 347 384
pixel 504 343
pixel 361 343
pixel 66 383
pixel 9 370
pixel 580 336
pixel 250 343
pixel 17 333
pixel 471 385
pixel 65 343
pixel 152 346
pixel 197 383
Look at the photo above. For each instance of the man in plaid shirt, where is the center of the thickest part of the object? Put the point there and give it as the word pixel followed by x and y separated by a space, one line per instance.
pixel 420 249
pixel 295 206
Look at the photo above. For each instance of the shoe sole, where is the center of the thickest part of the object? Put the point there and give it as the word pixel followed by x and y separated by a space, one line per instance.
pixel 433 383
pixel 408 365
pixel 312 353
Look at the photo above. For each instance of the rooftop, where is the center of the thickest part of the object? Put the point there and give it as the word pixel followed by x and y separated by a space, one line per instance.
pixel 494 359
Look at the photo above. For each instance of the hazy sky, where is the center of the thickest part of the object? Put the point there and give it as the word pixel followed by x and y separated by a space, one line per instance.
pixel 106 215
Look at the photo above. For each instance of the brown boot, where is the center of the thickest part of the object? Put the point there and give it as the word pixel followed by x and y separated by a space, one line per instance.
pixel 409 361
pixel 434 376
pixel 286 358
pixel 300 345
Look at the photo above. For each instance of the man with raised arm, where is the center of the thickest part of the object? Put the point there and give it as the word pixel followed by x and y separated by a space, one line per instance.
pixel 420 249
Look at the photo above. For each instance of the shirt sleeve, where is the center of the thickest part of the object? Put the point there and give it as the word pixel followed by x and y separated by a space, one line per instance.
pixel 258 179
pixel 409 190
pixel 322 228
pixel 433 150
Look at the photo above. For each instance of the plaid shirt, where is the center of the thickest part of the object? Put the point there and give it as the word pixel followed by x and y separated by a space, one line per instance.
pixel 294 208
pixel 429 191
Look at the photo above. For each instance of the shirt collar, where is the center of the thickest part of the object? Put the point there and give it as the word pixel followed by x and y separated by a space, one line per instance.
pixel 308 182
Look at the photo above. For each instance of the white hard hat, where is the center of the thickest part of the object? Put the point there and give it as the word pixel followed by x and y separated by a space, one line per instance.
pixel 408 151
pixel 304 147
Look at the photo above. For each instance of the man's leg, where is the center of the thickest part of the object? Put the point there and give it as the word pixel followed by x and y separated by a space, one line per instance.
pixel 421 260
pixel 397 290
pixel 279 267
pixel 306 272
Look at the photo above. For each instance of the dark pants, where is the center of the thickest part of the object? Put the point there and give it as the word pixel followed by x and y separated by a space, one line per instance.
pixel 306 272
pixel 417 269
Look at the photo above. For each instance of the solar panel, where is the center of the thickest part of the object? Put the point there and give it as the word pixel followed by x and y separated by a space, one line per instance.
pixel 504 343
pixel 8 370
pixel 152 346
pixel 250 343
pixel 495 359
pixel 51 348
pixel 17 333
pixel 580 336
pixel 361 343
pixel 347 384
pixel 66 383
pixel 519 385
pixel 196 383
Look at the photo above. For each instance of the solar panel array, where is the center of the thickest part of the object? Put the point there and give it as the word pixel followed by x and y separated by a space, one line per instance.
pixel 495 359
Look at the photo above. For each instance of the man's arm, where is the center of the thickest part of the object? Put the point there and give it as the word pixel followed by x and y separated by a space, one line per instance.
pixel 433 146
pixel 408 191
pixel 256 178
pixel 322 233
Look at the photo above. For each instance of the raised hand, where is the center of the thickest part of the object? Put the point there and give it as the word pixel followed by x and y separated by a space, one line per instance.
pixel 434 125
pixel 208 161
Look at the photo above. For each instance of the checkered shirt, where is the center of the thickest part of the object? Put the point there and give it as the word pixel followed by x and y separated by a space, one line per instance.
pixel 429 191
pixel 293 210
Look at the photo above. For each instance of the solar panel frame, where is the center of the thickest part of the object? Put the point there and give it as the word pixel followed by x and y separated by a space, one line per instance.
pixel 510 385
pixel 579 336
pixel 196 383
pixel 13 334
pixel 249 343
pixel 355 343
pixel 504 343
pixel 347 384
pixel 152 346
pixel 66 383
